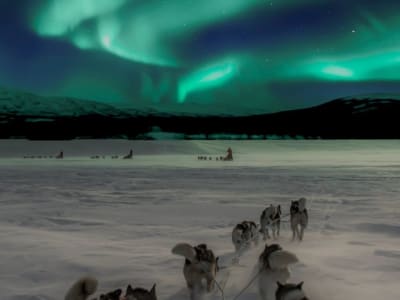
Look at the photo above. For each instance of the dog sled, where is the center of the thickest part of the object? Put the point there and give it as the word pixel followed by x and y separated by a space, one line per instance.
pixel 60 155
pixel 228 157
pixel 129 155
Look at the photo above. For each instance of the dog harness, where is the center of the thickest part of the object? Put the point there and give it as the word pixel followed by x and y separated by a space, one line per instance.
pixel 276 216
pixel 202 254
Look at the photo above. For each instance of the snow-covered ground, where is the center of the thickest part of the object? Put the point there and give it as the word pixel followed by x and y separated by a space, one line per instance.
pixel 119 219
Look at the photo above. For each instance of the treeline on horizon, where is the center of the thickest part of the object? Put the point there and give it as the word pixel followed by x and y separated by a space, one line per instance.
pixel 334 120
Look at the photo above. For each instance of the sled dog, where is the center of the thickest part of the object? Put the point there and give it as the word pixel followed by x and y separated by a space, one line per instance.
pixel 140 293
pixel 244 233
pixel 271 216
pixel 200 264
pixel 273 266
pixel 114 295
pixel 298 218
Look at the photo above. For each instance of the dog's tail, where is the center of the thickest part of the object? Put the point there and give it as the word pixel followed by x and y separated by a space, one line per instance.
pixel 185 250
pixel 281 259
pixel 82 289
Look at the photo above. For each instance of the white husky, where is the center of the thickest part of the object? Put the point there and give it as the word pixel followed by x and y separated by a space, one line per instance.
pixel 298 218
pixel 273 266
pixel 82 289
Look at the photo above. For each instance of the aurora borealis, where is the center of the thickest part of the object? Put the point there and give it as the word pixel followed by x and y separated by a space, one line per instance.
pixel 240 56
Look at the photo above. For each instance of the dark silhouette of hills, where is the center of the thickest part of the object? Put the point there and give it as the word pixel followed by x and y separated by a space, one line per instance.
pixel 29 116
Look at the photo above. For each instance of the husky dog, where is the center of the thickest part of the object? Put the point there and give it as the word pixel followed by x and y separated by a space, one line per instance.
pixel 82 289
pixel 290 291
pixel 298 217
pixel 244 233
pixel 140 294
pixel 200 263
pixel 273 266
pixel 114 295
pixel 271 216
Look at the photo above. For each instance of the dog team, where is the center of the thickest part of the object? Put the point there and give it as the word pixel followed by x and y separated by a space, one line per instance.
pixel 201 264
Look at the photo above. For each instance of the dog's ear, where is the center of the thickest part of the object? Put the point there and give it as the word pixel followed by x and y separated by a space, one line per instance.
pixel 203 246
pixel 153 291
pixel 279 284
pixel 300 285
pixel 129 289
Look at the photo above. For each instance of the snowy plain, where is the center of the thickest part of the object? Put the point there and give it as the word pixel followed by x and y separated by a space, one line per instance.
pixel 119 219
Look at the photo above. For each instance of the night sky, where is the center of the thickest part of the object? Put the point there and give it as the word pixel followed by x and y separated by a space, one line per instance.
pixel 240 56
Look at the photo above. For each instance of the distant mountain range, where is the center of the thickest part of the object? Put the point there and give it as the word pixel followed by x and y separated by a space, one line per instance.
pixel 25 115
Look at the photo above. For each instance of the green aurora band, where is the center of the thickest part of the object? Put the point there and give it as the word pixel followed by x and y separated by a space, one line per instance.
pixel 149 32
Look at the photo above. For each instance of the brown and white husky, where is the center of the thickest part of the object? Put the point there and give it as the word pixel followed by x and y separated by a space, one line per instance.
pixel 200 264
pixel 243 234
